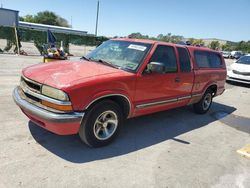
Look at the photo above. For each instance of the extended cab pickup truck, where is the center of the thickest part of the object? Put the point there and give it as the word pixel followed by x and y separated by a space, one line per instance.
pixel 122 78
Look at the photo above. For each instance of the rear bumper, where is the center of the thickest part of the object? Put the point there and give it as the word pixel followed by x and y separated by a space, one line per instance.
pixel 62 124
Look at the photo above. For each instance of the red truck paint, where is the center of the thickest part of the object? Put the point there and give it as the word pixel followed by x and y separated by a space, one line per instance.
pixel 87 82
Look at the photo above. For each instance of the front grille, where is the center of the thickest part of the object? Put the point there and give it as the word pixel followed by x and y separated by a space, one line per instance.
pixel 241 73
pixel 36 87
pixel 32 97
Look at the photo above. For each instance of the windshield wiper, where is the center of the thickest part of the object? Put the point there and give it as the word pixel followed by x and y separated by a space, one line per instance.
pixel 84 58
pixel 104 62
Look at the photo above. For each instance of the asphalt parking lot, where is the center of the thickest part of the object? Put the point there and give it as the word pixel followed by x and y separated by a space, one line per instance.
pixel 176 148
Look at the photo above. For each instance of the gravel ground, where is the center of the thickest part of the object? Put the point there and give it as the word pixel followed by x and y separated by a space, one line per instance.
pixel 176 148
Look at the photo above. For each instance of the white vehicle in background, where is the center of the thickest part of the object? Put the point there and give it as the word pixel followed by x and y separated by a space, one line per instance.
pixel 226 54
pixel 240 70
pixel 236 54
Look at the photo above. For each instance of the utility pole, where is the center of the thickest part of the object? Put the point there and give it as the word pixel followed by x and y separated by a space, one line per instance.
pixel 71 22
pixel 17 41
pixel 97 16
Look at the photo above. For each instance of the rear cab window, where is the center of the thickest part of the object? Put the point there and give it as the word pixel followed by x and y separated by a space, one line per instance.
pixel 184 59
pixel 207 59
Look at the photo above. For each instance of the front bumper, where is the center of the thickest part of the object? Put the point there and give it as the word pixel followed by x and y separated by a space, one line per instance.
pixel 62 124
pixel 238 78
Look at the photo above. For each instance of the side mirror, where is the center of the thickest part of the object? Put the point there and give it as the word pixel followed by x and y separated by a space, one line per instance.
pixel 156 67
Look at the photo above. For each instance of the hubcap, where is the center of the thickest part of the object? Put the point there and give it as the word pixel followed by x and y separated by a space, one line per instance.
pixel 207 101
pixel 105 125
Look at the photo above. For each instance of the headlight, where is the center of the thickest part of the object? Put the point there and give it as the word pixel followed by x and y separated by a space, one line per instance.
pixel 54 93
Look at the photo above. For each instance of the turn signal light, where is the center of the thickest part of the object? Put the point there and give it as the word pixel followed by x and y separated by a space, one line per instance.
pixel 57 106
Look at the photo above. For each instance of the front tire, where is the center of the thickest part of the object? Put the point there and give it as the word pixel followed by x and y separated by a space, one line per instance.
pixel 101 124
pixel 204 104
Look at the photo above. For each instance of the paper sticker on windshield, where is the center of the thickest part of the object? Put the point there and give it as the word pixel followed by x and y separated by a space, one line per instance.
pixel 137 47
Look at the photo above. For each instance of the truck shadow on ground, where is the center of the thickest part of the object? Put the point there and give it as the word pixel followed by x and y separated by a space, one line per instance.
pixel 137 133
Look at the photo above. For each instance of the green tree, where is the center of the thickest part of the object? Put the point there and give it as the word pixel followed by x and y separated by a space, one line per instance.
pixel 214 45
pixel 138 35
pixel 135 35
pixel 227 47
pixel 28 18
pixel 21 18
pixel 46 17
pixel 176 38
pixel 167 38
pixel 160 37
pixel 191 40
pixel 243 46
pixel 198 42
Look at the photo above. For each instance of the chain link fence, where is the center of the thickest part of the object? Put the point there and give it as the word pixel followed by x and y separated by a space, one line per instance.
pixel 38 39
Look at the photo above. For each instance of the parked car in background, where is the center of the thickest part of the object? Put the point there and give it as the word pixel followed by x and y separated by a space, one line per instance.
pixel 226 54
pixel 236 54
pixel 240 70
pixel 120 79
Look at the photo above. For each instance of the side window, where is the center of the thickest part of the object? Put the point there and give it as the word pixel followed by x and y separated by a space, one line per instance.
pixel 215 60
pixel 202 59
pixel 207 59
pixel 184 60
pixel 165 55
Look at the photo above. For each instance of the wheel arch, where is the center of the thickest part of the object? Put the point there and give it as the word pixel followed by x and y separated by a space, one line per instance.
pixel 213 87
pixel 122 100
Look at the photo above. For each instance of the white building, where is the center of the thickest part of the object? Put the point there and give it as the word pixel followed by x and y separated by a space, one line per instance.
pixel 8 17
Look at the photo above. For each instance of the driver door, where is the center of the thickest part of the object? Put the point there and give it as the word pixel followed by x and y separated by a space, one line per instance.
pixel 158 91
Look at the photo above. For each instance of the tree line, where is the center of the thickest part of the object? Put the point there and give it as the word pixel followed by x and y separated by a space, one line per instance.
pixel 46 17
pixel 243 46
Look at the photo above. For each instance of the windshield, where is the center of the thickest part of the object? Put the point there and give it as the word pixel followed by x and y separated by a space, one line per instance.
pixel 244 60
pixel 121 54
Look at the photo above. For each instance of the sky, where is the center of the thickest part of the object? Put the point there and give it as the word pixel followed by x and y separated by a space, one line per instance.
pixel 221 19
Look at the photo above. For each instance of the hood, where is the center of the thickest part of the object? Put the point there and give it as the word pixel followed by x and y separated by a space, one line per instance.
pixel 64 74
pixel 241 67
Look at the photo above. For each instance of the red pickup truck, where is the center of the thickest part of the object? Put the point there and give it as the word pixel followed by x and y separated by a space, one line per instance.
pixel 122 78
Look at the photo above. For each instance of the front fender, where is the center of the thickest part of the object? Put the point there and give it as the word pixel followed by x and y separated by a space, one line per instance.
pixel 105 94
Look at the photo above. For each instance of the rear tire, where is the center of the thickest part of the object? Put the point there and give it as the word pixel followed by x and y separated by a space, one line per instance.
pixel 204 104
pixel 101 124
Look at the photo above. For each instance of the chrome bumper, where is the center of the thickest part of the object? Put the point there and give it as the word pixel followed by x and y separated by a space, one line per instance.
pixel 238 80
pixel 44 114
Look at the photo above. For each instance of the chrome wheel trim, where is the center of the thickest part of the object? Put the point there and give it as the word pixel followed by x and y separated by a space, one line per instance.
pixel 105 125
pixel 207 101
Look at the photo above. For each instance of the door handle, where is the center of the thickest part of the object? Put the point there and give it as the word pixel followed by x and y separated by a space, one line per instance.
pixel 177 79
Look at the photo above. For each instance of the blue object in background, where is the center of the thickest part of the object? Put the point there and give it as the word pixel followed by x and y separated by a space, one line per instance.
pixel 51 37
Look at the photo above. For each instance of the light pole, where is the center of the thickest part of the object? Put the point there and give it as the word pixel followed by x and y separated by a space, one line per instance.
pixel 71 22
pixel 97 15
